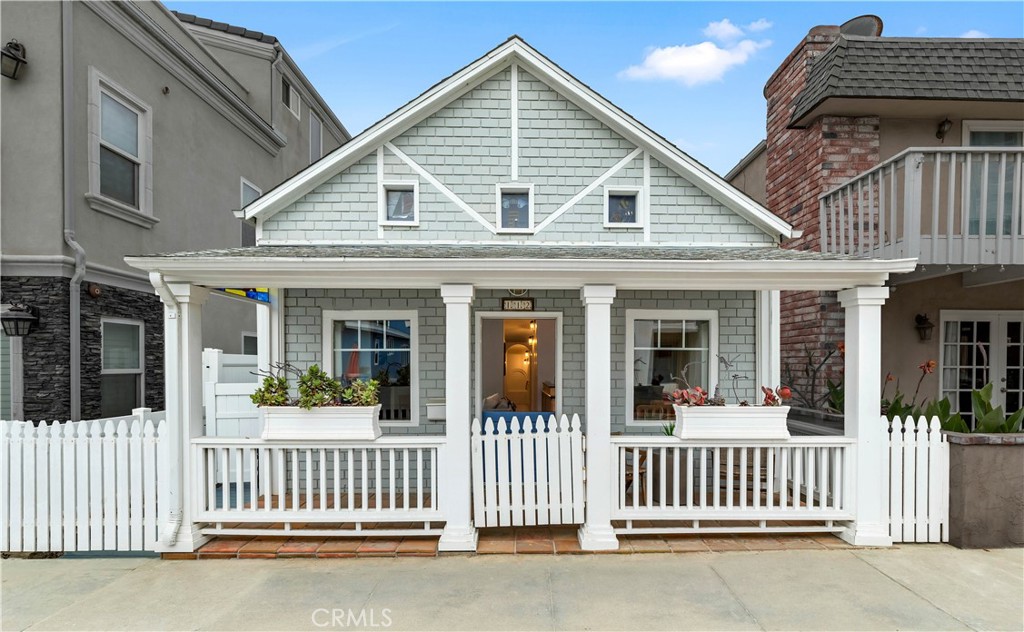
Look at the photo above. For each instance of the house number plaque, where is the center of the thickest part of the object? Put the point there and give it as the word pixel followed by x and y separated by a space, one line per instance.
pixel 517 304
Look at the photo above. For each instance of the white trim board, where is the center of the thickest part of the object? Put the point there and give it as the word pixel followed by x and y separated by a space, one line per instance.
pixel 515 50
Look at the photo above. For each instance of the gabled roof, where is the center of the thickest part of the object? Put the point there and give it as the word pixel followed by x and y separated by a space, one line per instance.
pixel 224 27
pixel 914 68
pixel 448 90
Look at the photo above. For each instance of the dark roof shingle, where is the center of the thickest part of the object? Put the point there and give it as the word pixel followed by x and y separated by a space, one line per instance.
pixel 915 68
pixel 224 27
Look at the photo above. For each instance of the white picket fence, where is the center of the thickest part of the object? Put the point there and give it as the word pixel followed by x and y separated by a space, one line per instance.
pixel 81 486
pixel 527 472
pixel 918 481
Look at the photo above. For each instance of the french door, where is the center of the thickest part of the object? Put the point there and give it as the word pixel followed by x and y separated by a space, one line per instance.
pixel 979 347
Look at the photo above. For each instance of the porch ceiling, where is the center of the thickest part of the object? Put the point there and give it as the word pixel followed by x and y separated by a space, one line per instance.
pixel 539 267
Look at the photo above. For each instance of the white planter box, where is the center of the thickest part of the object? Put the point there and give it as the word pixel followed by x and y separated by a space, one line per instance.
pixel 332 423
pixel 731 422
pixel 436 411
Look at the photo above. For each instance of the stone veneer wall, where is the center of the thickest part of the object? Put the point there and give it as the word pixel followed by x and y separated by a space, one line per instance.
pixel 801 165
pixel 737 338
pixel 115 302
pixel 47 356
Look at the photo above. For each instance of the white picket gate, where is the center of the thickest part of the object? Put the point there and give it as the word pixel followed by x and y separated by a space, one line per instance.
pixel 918 481
pixel 80 486
pixel 528 472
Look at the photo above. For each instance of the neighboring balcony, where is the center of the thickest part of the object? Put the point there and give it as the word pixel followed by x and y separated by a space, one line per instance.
pixel 955 206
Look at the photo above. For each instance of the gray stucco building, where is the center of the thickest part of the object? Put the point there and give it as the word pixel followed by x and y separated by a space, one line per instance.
pixel 132 129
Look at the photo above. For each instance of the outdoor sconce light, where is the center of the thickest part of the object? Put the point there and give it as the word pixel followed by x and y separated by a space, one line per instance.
pixel 12 59
pixel 943 129
pixel 924 327
pixel 18 320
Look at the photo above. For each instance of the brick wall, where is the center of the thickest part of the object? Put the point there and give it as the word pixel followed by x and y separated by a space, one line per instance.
pixel 801 165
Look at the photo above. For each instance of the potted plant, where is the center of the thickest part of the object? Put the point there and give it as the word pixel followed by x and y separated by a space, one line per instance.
pixel 986 474
pixel 701 417
pixel 324 409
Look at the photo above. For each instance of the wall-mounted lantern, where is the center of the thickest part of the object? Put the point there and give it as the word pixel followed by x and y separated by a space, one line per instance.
pixel 18 320
pixel 924 327
pixel 12 59
pixel 943 129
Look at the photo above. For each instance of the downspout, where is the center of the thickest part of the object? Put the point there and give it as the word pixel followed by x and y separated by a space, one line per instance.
pixel 273 96
pixel 172 428
pixel 75 285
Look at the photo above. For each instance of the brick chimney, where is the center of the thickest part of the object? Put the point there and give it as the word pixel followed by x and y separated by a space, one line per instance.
pixel 802 164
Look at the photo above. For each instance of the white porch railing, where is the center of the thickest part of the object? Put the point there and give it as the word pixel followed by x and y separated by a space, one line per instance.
pixel 81 486
pixel 956 206
pixel 918 462
pixel 337 485
pixel 742 485
pixel 527 471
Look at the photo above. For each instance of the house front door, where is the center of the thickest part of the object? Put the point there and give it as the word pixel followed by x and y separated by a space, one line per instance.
pixel 978 348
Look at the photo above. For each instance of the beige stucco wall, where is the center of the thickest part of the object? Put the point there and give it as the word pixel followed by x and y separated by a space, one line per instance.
pixel 903 351
pixel 751 179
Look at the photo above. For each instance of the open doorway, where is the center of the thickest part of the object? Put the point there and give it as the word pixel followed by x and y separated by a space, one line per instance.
pixel 518 364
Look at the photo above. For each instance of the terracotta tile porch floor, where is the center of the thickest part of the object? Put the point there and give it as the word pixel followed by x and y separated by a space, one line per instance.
pixel 507 541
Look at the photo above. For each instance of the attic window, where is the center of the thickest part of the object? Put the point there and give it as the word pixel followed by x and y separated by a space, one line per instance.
pixel 289 97
pixel 623 207
pixel 515 208
pixel 399 204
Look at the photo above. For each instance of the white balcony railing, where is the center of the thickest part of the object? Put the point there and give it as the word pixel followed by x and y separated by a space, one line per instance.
pixel 955 206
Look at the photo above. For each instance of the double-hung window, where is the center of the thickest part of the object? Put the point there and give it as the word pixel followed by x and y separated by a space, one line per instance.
pixel 123 366
pixel 380 345
pixel 120 166
pixel 667 350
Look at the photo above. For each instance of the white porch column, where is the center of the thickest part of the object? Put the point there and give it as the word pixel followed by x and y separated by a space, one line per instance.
pixel 768 359
pixel 183 353
pixel 456 485
pixel 596 533
pixel 866 480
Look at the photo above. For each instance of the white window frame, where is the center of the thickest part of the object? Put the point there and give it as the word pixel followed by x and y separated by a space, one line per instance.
pixel 141 371
pixel 641 212
pixel 986 125
pixel 313 117
pixel 382 201
pixel 633 315
pixel 513 187
pixel 248 334
pixel 294 104
pixel 243 182
pixel 330 317
pixel 142 215
pixel 997 356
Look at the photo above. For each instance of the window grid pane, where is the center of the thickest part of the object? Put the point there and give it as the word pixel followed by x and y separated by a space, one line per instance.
pixel 401 206
pixel 622 208
pixel 667 355
pixel 515 209
pixel 119 125
pixel 381 350
pixel 121 346
pixel 119 177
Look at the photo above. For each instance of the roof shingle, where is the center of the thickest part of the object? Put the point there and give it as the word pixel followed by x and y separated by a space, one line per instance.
pixel 915 68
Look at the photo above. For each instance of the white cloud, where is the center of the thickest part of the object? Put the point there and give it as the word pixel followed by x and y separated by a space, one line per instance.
pixel 759 25
pixel 723 31
pixel 694 64
pixel 921 30
pixel 975 33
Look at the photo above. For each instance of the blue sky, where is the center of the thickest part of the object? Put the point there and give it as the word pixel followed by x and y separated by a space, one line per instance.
pixel 692 71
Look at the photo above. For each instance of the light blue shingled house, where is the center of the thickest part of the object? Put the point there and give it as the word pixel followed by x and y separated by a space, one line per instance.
pixel 509 243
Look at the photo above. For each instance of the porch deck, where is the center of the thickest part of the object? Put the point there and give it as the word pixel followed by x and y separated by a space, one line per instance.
pixel 501 541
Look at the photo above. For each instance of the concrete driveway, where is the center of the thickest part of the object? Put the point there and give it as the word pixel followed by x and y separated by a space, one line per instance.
pixel 924 587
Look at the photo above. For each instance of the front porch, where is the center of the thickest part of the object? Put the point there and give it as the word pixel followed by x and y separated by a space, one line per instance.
pixel 418 479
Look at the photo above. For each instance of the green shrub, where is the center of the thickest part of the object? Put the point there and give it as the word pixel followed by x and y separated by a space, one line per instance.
pixel 273 392
pixel 361 393
pixel 317 388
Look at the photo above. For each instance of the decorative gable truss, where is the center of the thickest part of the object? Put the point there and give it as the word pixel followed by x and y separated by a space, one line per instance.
pixel 510 129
